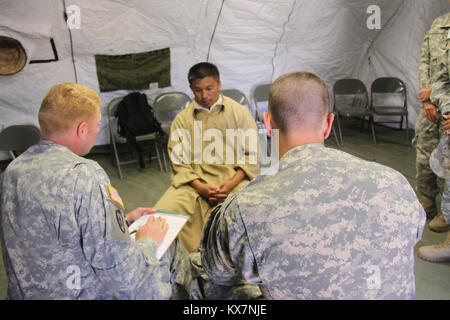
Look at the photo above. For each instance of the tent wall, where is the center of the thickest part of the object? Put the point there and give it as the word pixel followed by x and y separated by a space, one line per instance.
pixel 251 41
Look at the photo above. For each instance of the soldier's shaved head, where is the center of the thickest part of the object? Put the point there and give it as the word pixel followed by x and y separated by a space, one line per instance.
pixel 299 100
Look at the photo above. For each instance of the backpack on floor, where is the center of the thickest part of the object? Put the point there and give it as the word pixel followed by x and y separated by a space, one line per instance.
pixel 136 118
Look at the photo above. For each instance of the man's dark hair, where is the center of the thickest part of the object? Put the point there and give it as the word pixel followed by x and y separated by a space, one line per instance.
pixel 202 70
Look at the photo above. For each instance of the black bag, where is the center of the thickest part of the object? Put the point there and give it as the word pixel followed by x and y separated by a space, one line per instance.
pixel 136 118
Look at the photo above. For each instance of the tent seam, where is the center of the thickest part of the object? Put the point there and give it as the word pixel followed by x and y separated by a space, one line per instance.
pixel 281 37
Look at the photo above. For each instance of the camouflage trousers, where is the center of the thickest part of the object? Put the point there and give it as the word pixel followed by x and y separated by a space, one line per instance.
pixel 425 141
pixel 446 201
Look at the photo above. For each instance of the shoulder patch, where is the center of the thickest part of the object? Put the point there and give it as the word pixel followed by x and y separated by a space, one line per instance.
pixel 114 195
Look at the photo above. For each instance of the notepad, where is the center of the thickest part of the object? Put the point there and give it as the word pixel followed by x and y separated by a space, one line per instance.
pixel 175 221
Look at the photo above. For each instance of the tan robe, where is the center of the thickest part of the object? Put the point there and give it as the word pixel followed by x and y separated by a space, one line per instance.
pixel 204 156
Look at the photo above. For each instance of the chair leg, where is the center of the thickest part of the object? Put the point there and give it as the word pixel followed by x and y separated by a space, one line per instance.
pixel 407 129
pixel 112 151
pixel 163 151
pixel 158 156
pixel 164 160
pixel 362 124
pixel 373 130
pixel 339 128
pixel 116 155
pixel 335 135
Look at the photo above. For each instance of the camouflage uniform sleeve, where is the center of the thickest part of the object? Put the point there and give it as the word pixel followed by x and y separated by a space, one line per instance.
pixel 226 255
pixel 440 94
pixel 129 270
pixel 424 67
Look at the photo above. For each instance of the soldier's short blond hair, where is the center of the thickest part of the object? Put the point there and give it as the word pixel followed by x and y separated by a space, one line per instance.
pixel 65 104
pixel 299 100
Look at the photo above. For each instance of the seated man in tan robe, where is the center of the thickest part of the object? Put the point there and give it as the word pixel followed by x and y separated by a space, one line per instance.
pixel 207 164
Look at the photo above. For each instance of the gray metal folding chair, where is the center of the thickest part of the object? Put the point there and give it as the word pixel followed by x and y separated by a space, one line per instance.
pixel 351 99
pixel 260 95
pixel 239 97
pixel 388 98
pixel 166 106
pixel 18 138
pixel 116 138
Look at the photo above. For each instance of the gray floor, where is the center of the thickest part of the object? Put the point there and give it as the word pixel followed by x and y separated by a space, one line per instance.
pixel 143 187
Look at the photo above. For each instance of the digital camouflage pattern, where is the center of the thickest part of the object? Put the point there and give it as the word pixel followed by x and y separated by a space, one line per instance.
pixel 440 94
pixel 205 289
pixel 446 201
pixel 427 133
pixel 440 163
pixel 327 226
pixel 64 236
pixel 440 158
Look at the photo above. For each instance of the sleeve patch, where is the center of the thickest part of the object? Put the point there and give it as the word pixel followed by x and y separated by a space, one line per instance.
pixel 114 195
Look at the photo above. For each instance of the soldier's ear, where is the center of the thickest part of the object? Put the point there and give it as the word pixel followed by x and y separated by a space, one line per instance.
pixel 328 125
pixel 82 129
pixel 267 117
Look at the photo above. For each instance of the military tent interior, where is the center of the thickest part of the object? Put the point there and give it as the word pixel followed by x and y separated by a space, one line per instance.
pixel 251 41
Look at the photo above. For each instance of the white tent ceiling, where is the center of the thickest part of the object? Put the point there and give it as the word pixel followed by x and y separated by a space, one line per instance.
pixel 251 41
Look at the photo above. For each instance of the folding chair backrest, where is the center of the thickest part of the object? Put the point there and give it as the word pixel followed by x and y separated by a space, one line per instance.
pixel 19 137
pixel 112 117
pixel 350 93
pixel 237 96
pixel 167 106
pixel 261 94
pixel 388 92
pixel 112 106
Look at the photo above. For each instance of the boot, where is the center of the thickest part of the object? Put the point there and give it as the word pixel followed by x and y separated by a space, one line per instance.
pixel 438 224
pixel 429 205
pixel 436 253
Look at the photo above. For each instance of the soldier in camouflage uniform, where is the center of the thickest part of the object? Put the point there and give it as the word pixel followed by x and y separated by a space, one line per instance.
pixel 440 163
pixel 327 225
pixel 440 96
pixel 428 129
pixel 205 289
pixel 64 232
